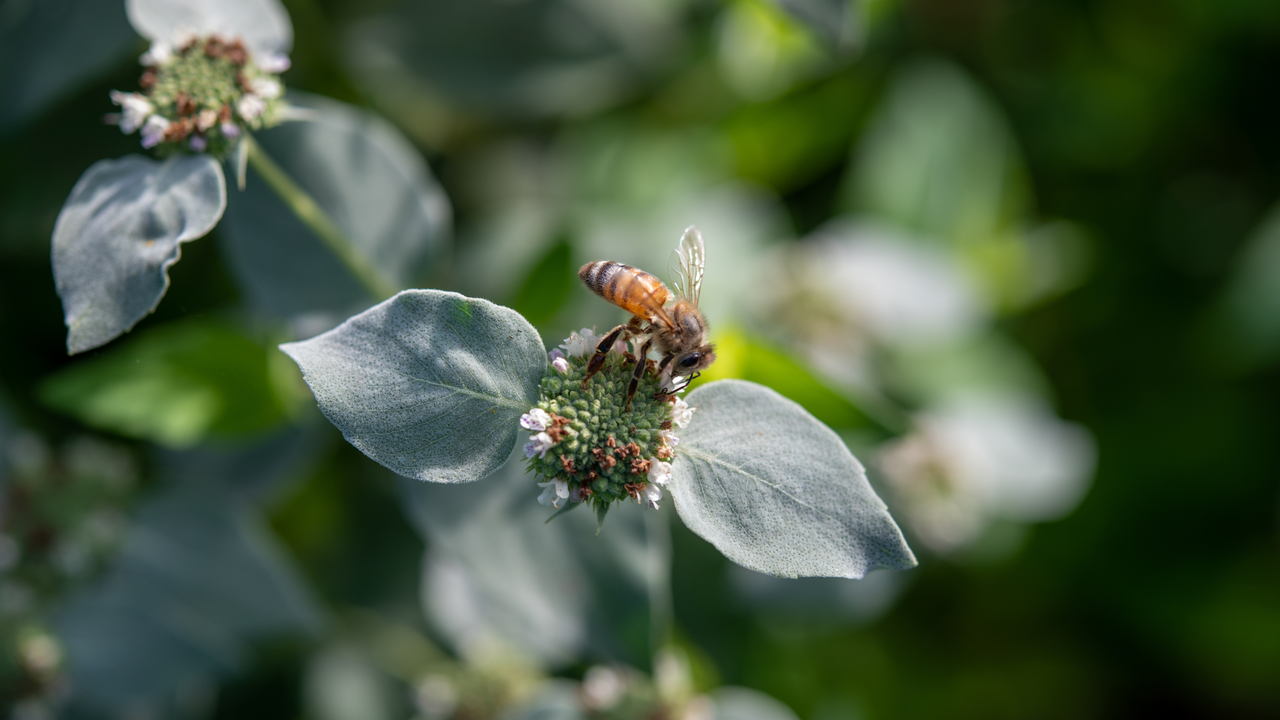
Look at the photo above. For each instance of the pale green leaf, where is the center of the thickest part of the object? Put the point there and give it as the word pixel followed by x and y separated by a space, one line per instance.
pixel 777 491
pixel 119 232
pixel 262 24
pixel 431 384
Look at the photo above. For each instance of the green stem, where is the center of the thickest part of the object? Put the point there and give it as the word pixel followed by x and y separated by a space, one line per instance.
pixel 315 218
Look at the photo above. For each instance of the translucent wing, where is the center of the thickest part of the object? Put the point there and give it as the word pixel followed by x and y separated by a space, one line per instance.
pixel 688 263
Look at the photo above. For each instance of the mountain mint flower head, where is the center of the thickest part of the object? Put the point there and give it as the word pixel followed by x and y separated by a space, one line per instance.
pixel 199 94
pixel 585 446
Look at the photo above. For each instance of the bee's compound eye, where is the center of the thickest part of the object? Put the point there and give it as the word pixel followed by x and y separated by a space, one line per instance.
pixel 690 360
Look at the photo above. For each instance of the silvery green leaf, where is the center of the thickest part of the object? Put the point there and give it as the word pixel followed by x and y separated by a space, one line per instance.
pixel 50 47
pixel 262 24
pixel 939 159
pixel 431 384
pixel 119 232
pixel 777 491
pixel 496 572
pixel 371 182
pixel 197 581
pixel 554 699
pixel 738 703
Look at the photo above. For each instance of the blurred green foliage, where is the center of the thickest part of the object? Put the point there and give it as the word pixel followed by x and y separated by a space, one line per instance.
pixel 1132 142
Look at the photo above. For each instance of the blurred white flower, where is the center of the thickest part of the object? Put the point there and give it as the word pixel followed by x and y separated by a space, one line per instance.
pixel 229 130
pixel 153 131
pixel 602 687
pixel 558 361
pixel 435 697
pixel 535 419
pixel 250 106
pixel 895 288
pixel 981 458
pixel 137 109
pixel 266 87
pixel 554 492
pixel 538 445
pixel 274 63
pixel 668 438
pixel 159 53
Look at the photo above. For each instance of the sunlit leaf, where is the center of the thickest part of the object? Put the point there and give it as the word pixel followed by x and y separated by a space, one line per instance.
pixel 174 386
pixel 119 232
pixel 263 24
pixel 431 384
pixel 834 22
pixel 497 573
pixel 50 47
pixel 196 583
pixel 777 491
pixel 370 181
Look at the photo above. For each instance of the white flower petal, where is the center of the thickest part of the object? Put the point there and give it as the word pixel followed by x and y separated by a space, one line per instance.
pixel 659 472
pixel 535 419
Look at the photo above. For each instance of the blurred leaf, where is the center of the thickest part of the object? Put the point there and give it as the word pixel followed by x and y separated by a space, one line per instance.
pixel 429 383
pixel 547 285
pixel 370 181
pixel 262 24
pixel 498 574
pixel 778 492
pixel 789 142
pixel 1250 306
pixel 747 358
pixel 49 47
pixel 554 700
pixel 173 385
pixel 534 58
pixel 937 158
pixel 835 22
pixel 738 703
pixel 196 583
pixel 119 232
pixel 984 363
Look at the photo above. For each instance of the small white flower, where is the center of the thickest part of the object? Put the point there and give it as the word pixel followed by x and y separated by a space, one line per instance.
pixel 581 343
pixel 558 361
pixel 137 109
pixel 159 53
pixel 659 472
pixel 266 87
pixel 554 492
pixel 153 131
pixel 206 119
pixel 649 496
pixel 538 445
pixel 535 419
pixel 681 413
pixel 274 63
pixel 230 130
pixel 251 106
pixel 668 438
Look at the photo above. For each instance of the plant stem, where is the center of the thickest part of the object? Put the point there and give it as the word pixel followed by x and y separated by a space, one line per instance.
pixel 315 218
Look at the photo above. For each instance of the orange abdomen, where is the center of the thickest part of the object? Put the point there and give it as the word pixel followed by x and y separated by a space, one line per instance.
pixel 631 289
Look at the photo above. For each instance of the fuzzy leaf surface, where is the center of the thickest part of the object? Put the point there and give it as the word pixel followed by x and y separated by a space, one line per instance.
pixel 430 384
pixel 262 24
pixel 777 491
pixel 119 232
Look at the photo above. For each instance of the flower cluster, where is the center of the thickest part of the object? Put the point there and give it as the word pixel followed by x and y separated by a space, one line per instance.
pixel 200 94
pixel 586 445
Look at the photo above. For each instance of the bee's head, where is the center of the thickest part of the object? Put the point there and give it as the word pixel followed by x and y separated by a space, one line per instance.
pixel 694 361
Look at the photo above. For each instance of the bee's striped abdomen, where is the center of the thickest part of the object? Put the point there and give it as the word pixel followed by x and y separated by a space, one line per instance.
pixel 631 289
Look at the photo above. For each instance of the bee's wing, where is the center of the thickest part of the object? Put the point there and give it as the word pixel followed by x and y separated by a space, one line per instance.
pixel 688 264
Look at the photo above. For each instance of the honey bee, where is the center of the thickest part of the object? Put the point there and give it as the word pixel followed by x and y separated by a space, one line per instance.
pixel 677 331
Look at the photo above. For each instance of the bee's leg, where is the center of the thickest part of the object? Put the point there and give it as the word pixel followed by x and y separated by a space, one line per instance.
pixel 602 352
pixel 641 362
